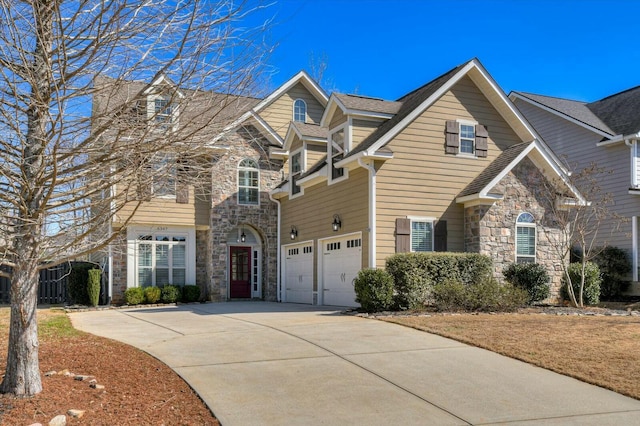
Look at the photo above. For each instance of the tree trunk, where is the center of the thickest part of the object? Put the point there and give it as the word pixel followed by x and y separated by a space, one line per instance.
pixel 22 376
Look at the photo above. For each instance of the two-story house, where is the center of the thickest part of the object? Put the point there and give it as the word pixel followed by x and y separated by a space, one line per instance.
pixel 607 133
pixel 450 166
pixel 218 231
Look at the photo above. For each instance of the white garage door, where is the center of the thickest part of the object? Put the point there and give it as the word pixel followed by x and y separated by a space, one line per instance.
pixel 341 261
pixel 298 276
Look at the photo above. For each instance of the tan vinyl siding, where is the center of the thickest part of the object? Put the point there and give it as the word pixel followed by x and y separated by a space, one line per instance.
pixel 315 153
pixel 312 213
pixel 578 145
pixel 421 180
pixel 361 129
pixel 165 211
pixel 279 113
pixel 337 119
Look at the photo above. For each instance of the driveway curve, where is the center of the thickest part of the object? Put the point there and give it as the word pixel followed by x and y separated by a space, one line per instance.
pixel 261 363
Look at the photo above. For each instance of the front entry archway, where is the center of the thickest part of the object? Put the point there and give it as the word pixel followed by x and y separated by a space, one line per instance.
pixel 244 263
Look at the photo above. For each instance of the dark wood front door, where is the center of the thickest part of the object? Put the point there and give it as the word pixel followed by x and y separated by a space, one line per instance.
pixel 240 268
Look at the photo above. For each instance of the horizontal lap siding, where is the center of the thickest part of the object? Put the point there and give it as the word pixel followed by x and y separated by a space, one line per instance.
pixel 280 112
pixel 314 154
pixel 337 119
pixel 168 212
pixel 361 129
pixel 313 212
pixel 421 180
pixel 577 146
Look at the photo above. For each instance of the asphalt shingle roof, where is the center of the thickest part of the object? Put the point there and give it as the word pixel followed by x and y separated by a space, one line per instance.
pixel 621 111
pixel 494 169
pixel 363 103
pixel 575 109
pixel 311 130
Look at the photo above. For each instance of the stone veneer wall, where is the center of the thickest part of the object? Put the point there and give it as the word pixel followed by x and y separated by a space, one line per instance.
pixel 119 252
pixel 490 229
pixel 203 265
pixel 226 214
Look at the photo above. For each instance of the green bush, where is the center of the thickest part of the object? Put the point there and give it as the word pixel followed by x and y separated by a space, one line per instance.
pixel 134 295
pixel 190 293
pixel 93 286
pixel 152 294
pixel 415 274
pixel 171 293
pixel 614 267
pixel 374 290
pixel 487 295
pixel 77 283
pixel 532 277
pixel 592 279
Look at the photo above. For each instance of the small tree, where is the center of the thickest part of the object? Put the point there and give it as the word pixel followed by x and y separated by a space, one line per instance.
pixel 579 208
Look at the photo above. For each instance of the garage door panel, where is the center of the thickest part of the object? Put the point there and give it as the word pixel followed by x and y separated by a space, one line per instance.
pixel 342 260
pixel 298 274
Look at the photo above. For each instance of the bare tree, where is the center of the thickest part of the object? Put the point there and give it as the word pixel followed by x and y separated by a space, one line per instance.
pixel 60 156
pixel 581 222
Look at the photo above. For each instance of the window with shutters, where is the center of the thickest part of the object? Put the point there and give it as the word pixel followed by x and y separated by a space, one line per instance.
pixel 248 183
pixel 466 138
pixel 525 238
pixel 421 235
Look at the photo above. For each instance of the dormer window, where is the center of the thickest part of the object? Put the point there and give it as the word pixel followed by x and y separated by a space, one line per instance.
pixel 162 111
pixel 300 111
pixel 295 170
pixel 337 151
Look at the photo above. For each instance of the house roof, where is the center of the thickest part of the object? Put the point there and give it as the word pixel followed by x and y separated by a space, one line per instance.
pixel 363 103
pixel 620 111
pixel 579 111
pixel 310 130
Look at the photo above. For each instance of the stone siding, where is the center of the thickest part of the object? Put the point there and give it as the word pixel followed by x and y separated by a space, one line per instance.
pixel 490 229
pixel 227 214
pixel 119 253
pixel 203 265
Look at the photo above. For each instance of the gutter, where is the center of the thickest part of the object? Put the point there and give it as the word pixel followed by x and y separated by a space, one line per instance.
pixel 372 210
pixel 619 138
pixel 278 254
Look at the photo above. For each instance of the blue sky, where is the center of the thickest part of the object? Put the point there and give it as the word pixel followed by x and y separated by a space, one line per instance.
pixel 582 50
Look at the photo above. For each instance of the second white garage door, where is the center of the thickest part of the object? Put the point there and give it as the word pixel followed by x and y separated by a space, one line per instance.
pixel 298 275
pixel 341 262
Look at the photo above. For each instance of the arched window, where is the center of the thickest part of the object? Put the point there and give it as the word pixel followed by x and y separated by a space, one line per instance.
pixel 300 111
pixel 525 238
pixel 248 182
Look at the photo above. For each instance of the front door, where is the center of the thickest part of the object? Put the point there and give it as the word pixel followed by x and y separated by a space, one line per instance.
pixel 240 268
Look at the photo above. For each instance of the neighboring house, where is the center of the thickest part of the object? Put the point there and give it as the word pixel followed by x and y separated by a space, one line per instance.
pixel 451 166
pixel 222 237
pixel 605 132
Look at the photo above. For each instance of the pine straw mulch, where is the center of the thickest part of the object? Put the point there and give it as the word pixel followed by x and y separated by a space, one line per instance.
pixel 138 389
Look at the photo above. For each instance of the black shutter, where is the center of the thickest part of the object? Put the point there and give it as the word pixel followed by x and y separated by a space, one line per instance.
pixel 440 236
pixel 481 141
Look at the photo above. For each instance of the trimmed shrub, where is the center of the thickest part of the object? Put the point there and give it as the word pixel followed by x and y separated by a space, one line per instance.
pixel 487 295
pixel 532 277
pixel 171 293
pixel 374 290
pixel 134 295
pixel 93 286
pixel 152 294
pixel 592 279
pixel 415 274
pixel 77 284
pixel 614 267
pixel 190 293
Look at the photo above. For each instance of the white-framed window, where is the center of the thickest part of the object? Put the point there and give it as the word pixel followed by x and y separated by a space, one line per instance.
pixel 467 138
pixel 248 183
pixel 300 111
pixel 296 168
pixel 337 148
pixel 164 175
pixel 635 165
pixel 162 259
pixel 422 234
pixel 525 238
pixel 162 112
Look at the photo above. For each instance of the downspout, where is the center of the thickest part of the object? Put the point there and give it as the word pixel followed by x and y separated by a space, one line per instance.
pixel 278 260
pixel 372 210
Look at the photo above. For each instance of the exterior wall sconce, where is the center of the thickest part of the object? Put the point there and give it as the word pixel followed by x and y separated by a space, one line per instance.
pixel 243 237
pixel 294 232
pixel 336 224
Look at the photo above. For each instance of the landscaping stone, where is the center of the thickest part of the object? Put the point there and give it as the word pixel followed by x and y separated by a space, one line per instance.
pixel 60 420
pixel 76 414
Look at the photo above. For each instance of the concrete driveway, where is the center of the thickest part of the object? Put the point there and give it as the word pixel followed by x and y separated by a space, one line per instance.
pixel 258 363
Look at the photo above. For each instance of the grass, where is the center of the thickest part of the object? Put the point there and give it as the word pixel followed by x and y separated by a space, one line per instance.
pixel 601 350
